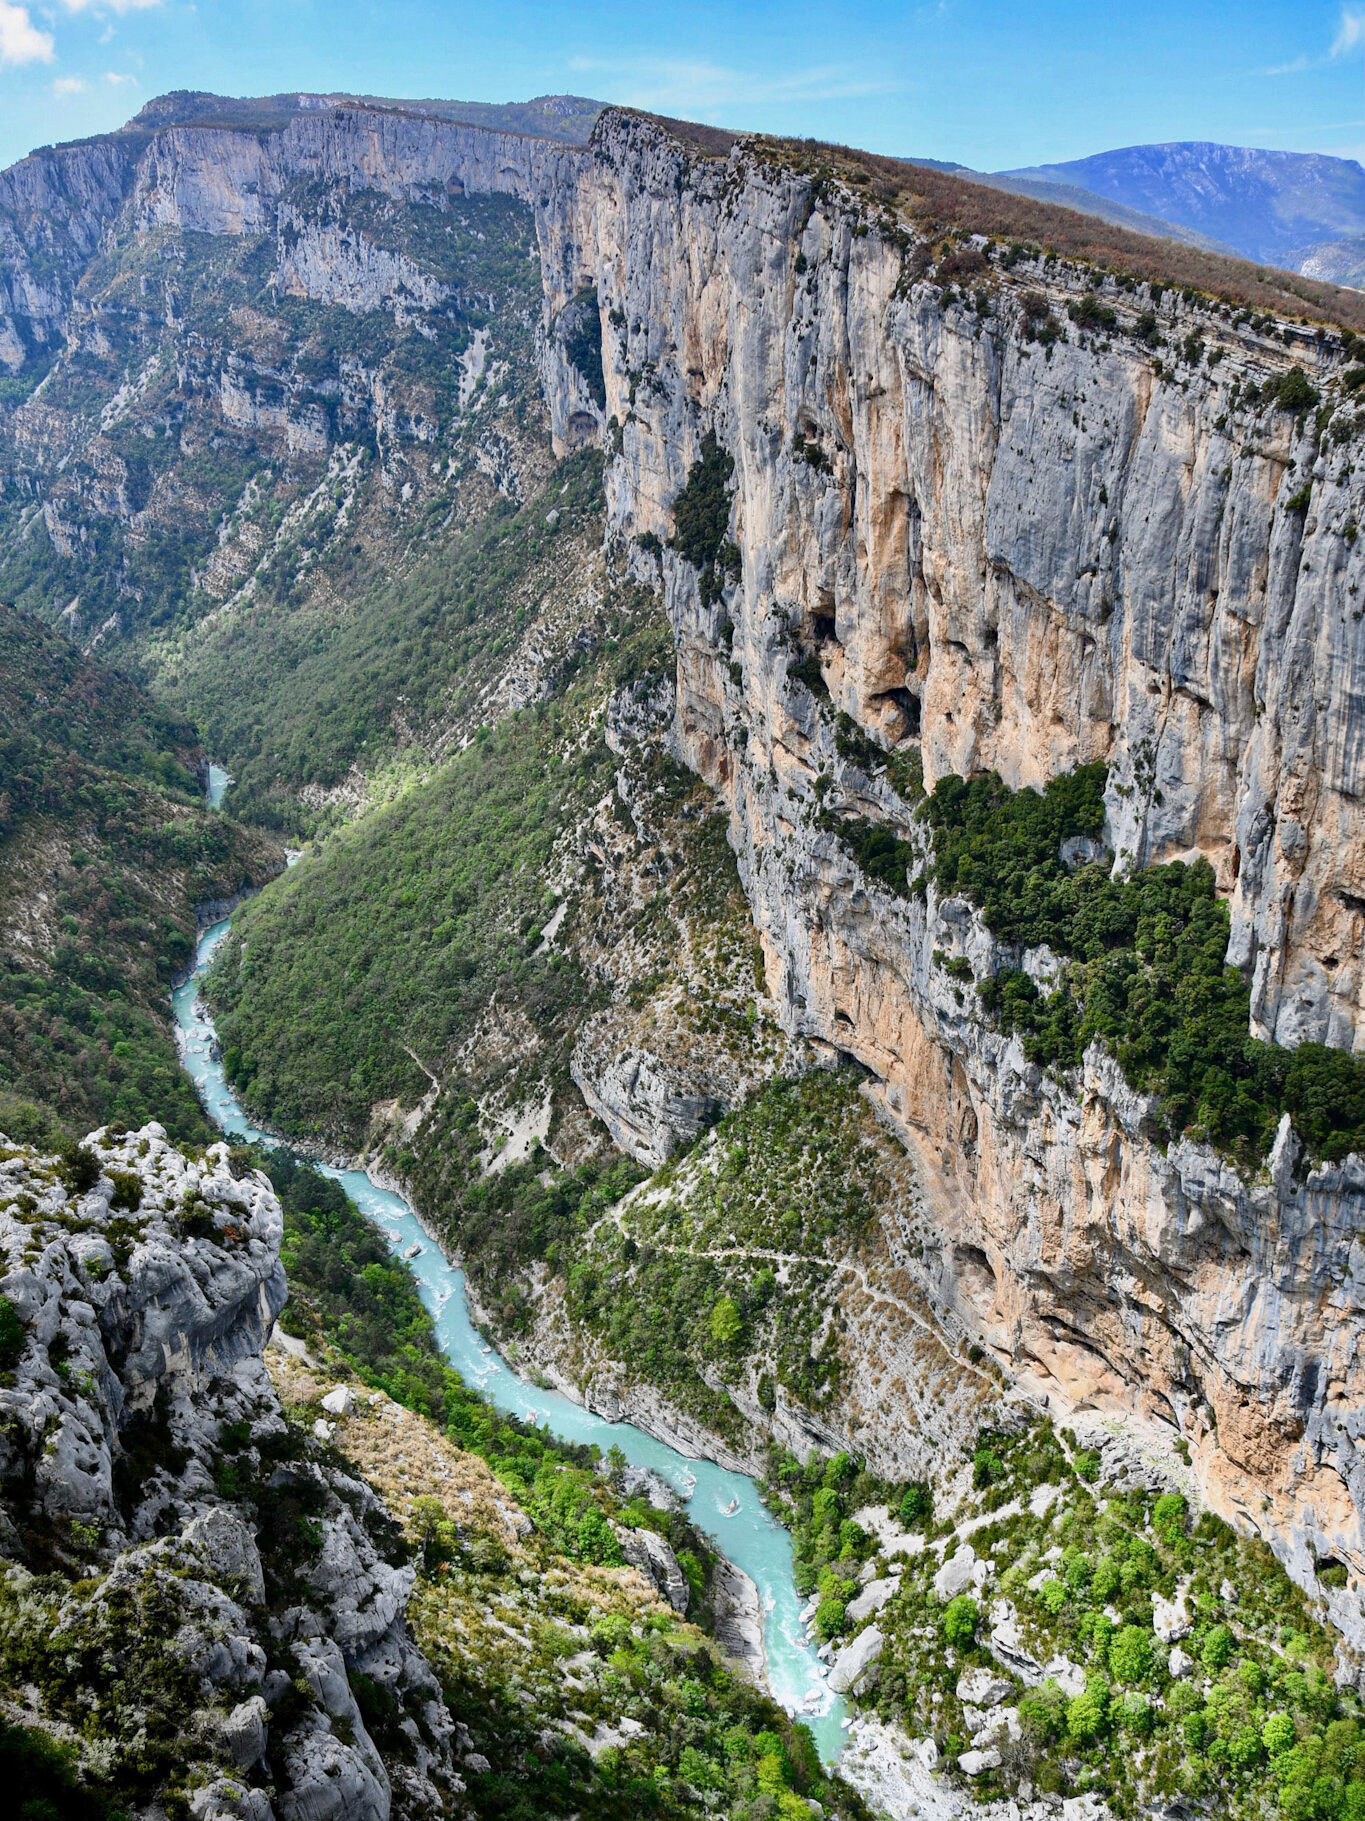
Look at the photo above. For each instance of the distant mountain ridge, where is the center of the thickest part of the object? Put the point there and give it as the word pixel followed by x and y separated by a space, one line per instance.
pixel 1301 210
pixel 566 117
pixel 1086 202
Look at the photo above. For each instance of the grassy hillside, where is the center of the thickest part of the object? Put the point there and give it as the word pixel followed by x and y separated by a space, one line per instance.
pixel 387 945
pixel 380 660
pixel 105 848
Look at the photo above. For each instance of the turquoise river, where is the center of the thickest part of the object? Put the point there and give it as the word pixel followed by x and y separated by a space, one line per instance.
pixel 726 1505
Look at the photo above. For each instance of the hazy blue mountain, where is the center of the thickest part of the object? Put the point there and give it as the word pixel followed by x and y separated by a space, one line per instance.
pixel 1072 196
pixel 1294 209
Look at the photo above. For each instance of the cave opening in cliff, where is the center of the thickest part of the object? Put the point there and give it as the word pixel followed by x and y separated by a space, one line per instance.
pixel 907 705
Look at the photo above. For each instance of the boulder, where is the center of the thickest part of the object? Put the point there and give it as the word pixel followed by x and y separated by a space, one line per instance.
pixel 956 1574
pixel 979 1688
pixel 1169 1617
pixel 855 1658
pixel 976 1763
pixel 651 1554
pixel 872 1598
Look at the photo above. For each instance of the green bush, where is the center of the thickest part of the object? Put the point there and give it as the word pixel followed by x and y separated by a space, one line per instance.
pixel 1090 313
pixel 1168 1515
pixel 13 1336
pixel 1104 1583
pixel 80 1168
pixel 701 517
pixel 727 1324
pixel 1087 1716
pixel 1292 391
pixel 1130 1654
pixel 831 1616
pixel 987 1468
pixel 880 852
pixel 917 1504
pixel 961 1616
pixel 1042 1712
pixel 1217 1650
pixel 1278 1735
pixel 583 344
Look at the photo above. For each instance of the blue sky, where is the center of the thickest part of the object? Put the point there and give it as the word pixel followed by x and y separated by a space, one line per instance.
pixel 989 84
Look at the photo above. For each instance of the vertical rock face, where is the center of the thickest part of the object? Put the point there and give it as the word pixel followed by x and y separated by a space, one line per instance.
pixel 1026 555
pixel 1018 542
pixel 236 1589
pixel 53 209
pixel 57 204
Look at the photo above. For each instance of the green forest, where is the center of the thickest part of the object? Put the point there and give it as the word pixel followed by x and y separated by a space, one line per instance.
pixel 394 937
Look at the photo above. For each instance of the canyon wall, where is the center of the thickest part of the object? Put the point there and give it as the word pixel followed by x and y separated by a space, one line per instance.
pixel 240 1590
pixel 1013 550
pixel 1027 557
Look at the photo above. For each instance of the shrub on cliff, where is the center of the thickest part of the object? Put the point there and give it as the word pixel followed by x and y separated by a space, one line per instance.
pixel 1148 972
pixel 701 518
pixel 582 324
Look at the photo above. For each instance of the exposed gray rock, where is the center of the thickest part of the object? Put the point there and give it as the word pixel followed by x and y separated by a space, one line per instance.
pixel 956 1574
pixel 981 1689
pixel 872 1598
pixel 976 1763
pixel 1023 560
pixel 146 1303
pixel 651 1554
pixel 855 1659
pixel 644 1104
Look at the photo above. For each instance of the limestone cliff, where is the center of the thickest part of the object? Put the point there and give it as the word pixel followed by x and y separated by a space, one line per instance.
pixel 196 1587
pixel 1027 553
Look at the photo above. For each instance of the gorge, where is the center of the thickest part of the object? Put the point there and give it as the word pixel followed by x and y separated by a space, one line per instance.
pixel 605 558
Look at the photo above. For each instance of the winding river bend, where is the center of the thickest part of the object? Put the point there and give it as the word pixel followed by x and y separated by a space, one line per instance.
pixel 726 1505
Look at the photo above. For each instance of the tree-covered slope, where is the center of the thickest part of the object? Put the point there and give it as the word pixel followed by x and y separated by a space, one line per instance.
pixel 278 477
pixel 106 846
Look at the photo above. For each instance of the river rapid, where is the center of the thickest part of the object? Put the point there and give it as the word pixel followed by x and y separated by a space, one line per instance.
pixel 725 1505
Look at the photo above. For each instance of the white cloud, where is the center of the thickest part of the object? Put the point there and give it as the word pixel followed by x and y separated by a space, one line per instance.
pixel 698 88
pixel 20 39
pixel 70 85
pixel 1350 34
pixel 109 6
pixel 1349 39
pixel 117 79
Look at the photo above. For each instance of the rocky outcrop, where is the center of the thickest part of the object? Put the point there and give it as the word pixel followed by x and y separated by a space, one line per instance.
pixel 229 1578
pixel 54 207
pixel 647 1108
pixel 1022 554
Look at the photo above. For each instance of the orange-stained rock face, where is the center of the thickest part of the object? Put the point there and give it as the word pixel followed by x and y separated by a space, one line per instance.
pixel 1028 558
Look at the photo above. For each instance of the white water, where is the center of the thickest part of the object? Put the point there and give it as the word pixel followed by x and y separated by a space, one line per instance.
pixel 747 1535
